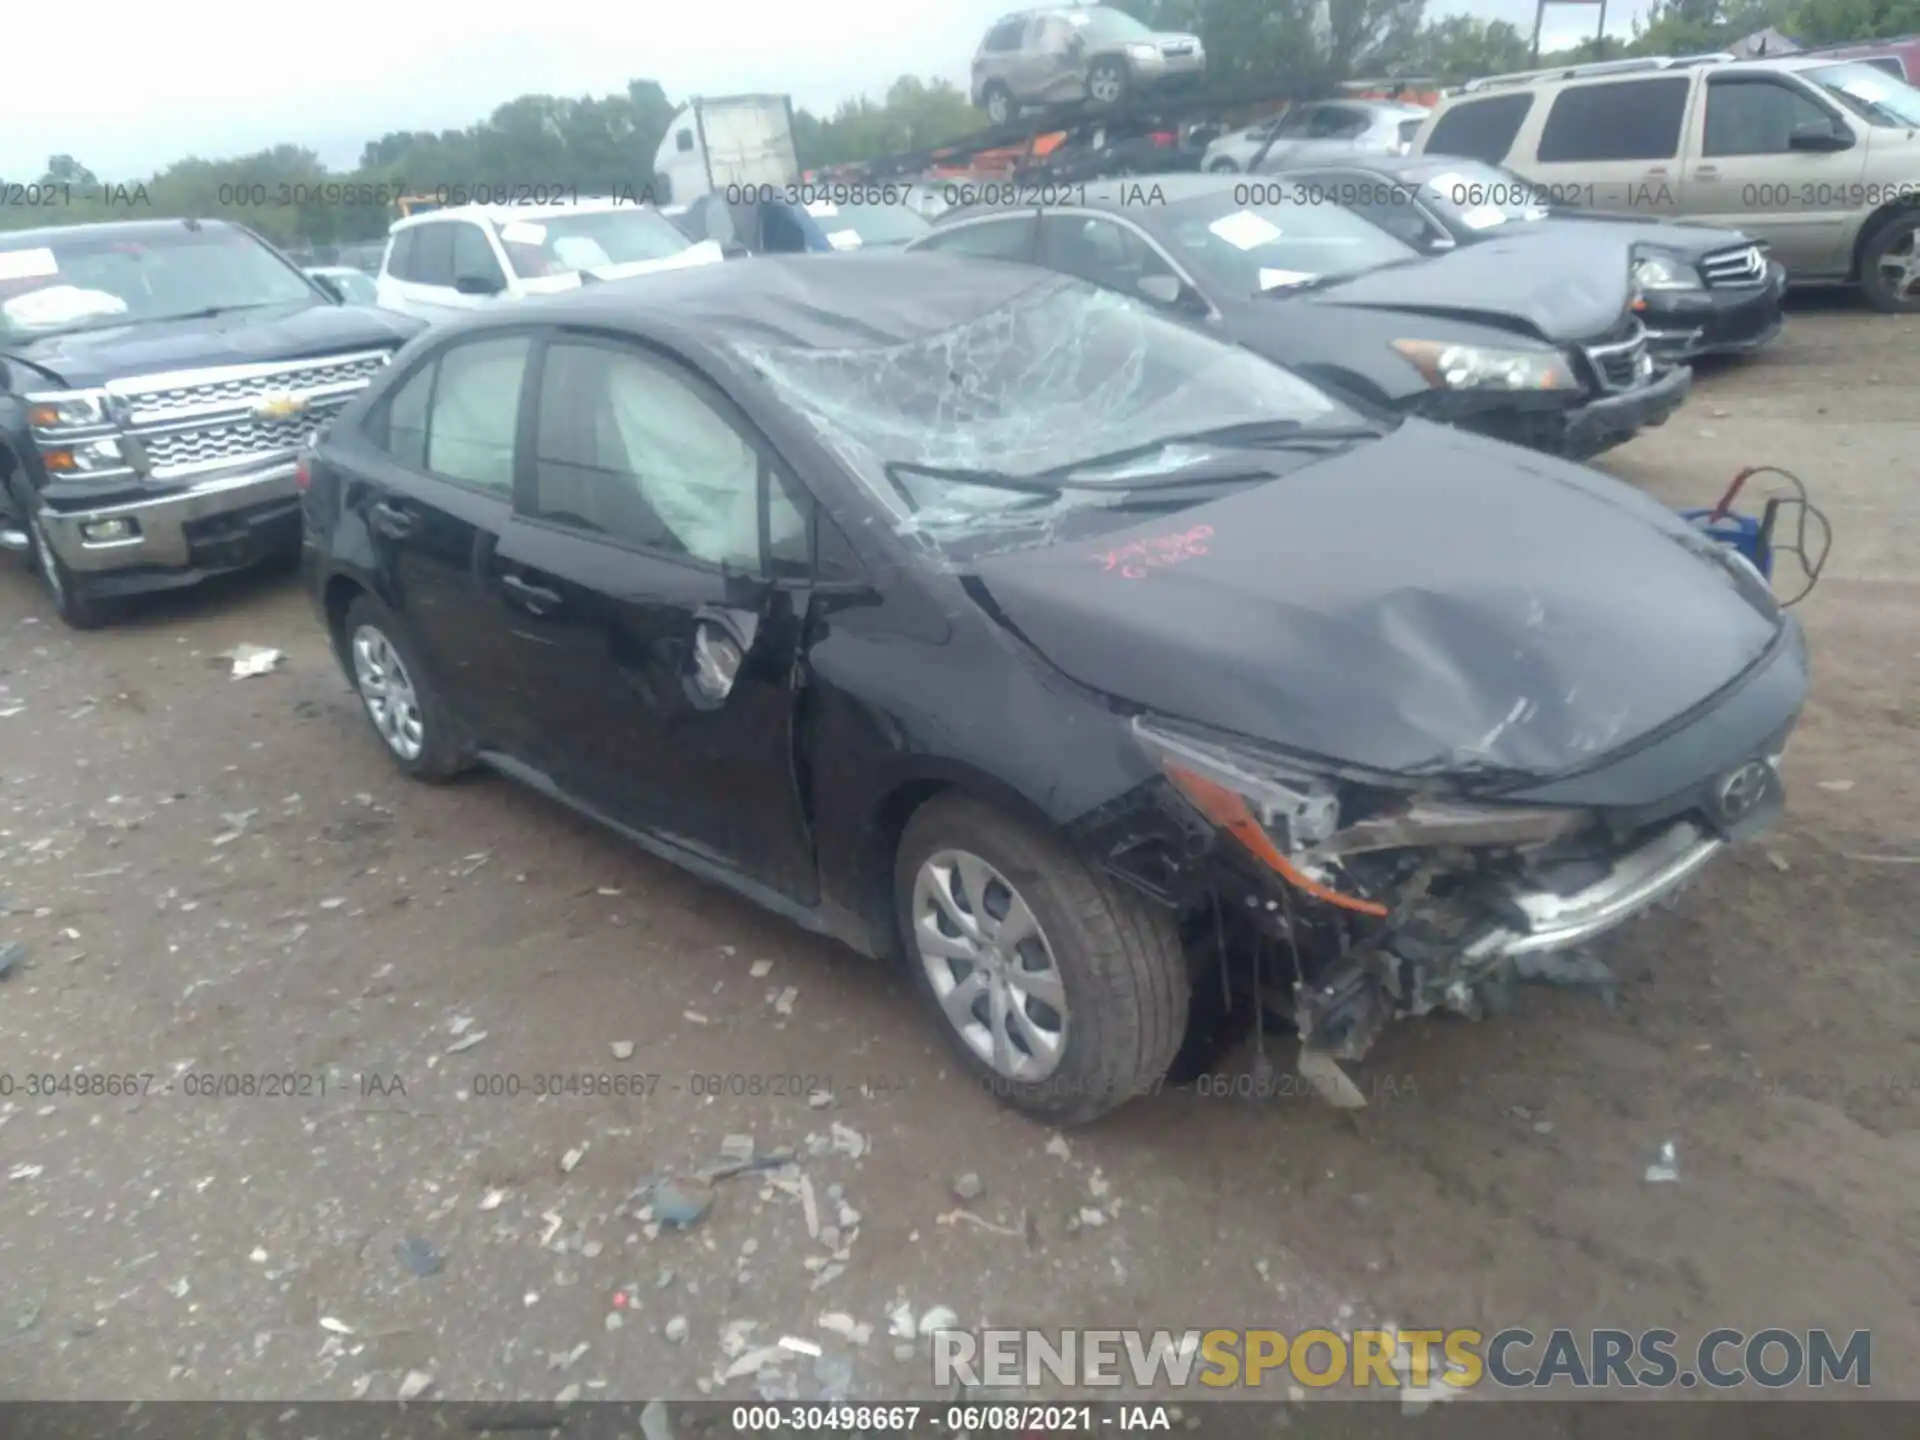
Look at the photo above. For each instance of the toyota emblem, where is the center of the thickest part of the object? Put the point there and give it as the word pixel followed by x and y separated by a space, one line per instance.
pixel 1741 792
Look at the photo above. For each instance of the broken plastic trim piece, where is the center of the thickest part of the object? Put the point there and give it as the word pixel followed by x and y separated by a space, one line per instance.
pixel 1230 812
pixel 1435 822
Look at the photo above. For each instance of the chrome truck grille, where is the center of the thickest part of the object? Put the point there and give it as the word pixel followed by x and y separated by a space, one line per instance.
pixel 190 422
pixel 1624 363
pixel 1729 268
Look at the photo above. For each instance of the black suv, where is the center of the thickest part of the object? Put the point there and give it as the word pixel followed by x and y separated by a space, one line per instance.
pixel 156 379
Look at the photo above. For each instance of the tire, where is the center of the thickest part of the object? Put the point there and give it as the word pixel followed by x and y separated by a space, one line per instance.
pixel 1224 166
pixel 999 103
pixel 1109 75
pixel 1895 243
pixel 73 602
pixel 427 748
pixel 1113 959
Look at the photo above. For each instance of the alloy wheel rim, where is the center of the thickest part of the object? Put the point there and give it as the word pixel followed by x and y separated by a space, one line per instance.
pixel 1105 86
pixel 387 690
pixel 991 966
pixel 1900 264
pixel 997 107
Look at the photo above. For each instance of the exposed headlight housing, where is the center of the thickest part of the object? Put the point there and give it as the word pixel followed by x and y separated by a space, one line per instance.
pixel 1664 272
pixel 84 457
pixel 1144 52
pixel 1291 819
pixel 64 412
pixel 1483 367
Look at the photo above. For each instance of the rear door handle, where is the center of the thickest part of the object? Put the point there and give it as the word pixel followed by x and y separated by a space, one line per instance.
pixel 536 598
pixel 1707 170
pixel 390 520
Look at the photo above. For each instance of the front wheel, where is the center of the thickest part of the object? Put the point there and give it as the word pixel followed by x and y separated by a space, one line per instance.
pixel 1890 265
pixel 72 600
pixel 1061 992
pixel 1224 166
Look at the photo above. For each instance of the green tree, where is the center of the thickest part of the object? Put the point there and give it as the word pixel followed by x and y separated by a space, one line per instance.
pixel 1825 22
pixel 1463 46
pixel 65 170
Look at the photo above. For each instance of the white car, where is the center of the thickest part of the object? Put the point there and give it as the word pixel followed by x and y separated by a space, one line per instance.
pixel 1384 127
pixel 452 262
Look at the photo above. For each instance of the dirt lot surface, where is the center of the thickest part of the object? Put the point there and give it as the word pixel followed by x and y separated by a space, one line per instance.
pixel 216 877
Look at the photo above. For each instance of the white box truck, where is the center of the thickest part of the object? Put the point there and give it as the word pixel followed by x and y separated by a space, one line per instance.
pixel 728 141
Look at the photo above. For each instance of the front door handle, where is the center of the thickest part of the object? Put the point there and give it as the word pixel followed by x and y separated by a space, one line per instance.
pixel 390 520
pixel 536 598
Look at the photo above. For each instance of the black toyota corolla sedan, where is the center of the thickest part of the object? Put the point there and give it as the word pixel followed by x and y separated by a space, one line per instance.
pixel 1701 290
pixel 1535 345
pixel 1092 667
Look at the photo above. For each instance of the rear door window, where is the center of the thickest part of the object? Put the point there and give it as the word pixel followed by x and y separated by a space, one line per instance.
pixel 475 411
pixel 400 257
pixel 1004 36
pixel 473 255
pixel 1622 120
pixel 432 260
pixel 1480 129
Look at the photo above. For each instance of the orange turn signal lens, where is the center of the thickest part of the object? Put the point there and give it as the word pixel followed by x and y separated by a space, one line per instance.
pixel 1229 810
pixel 59 460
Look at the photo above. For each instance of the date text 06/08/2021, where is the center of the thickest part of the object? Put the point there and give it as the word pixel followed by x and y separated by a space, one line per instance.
pixel 972 1420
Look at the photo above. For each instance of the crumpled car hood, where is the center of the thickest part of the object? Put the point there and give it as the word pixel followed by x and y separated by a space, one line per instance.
pixel 1573 289
pixel 1428 603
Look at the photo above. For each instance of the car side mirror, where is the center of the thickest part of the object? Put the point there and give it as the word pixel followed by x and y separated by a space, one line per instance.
pixel 471 284
pixel 1815 136
pixel 1173 293
pixel 331 286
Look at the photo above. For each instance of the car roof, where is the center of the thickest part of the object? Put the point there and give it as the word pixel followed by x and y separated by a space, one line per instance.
pixel 109 230
pixel 590 205
pixel 842 301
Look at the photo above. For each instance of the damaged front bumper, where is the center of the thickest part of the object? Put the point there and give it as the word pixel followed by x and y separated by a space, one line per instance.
pixel 1391 927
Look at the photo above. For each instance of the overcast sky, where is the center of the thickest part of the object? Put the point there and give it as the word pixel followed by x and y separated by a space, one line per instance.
pixel 152 85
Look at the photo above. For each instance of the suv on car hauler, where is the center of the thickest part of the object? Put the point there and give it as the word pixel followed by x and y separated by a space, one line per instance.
pixel 1065 54
pixel 1817 158
pixel 157 378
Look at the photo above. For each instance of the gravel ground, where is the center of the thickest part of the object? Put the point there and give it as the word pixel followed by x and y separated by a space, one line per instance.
pixel 216 878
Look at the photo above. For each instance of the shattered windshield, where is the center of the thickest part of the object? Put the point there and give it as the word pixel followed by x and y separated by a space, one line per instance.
pixel 1061 376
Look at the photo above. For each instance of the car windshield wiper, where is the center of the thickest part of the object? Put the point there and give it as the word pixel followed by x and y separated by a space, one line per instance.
pixel 1278 435
pixel 213 310
pixel 1251 435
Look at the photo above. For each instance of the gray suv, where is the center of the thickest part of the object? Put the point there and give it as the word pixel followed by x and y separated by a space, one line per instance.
pixel 1067 53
